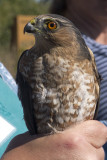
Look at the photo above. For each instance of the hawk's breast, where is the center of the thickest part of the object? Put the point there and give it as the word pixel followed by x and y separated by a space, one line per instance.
pixel 63 91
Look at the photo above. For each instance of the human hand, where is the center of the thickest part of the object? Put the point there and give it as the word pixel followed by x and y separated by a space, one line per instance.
pixel 81 142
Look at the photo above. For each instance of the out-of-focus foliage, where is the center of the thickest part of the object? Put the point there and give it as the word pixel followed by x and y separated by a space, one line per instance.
pixel 43 0
pixel 10 8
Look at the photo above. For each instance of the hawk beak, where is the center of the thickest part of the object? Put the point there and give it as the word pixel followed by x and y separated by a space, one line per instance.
pixel 29 28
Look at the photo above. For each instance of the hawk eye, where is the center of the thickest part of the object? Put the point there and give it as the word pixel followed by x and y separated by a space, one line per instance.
pixel 52 25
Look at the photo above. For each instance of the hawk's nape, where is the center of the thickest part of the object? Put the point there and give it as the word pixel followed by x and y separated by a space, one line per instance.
pixel 58 82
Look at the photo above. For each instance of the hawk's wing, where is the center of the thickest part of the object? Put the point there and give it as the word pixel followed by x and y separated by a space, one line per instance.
pixel 24 93
pixel 98 78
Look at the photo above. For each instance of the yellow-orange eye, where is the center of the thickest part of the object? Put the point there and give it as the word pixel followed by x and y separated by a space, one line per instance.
pixel 52 25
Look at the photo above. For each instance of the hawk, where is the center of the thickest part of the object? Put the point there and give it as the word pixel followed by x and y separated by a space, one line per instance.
pixel 58 83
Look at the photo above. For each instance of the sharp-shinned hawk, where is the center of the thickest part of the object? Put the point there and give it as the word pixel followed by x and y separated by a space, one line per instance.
pixel 58 83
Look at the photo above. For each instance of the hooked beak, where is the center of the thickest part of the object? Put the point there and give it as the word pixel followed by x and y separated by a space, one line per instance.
pixel 29 28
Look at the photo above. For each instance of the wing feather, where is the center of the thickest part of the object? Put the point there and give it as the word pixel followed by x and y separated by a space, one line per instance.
pixel 24 93
pixel 97 84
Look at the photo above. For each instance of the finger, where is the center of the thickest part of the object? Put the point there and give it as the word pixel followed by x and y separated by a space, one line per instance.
pixel 95 132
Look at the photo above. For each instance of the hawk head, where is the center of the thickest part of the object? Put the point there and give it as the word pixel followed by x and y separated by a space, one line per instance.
pixel 52 28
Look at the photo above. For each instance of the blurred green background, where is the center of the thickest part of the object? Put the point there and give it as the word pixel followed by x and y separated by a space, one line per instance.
pixel 9 9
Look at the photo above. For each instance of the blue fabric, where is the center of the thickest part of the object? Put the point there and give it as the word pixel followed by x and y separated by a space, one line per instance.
pixel 10 106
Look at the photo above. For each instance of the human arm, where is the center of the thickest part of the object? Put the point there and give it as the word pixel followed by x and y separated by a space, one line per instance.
pixel 82 142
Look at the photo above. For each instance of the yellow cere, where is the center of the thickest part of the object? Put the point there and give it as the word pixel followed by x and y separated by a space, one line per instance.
pixel 32 21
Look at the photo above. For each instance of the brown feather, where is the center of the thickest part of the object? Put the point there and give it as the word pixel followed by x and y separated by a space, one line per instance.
pixel 62 76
